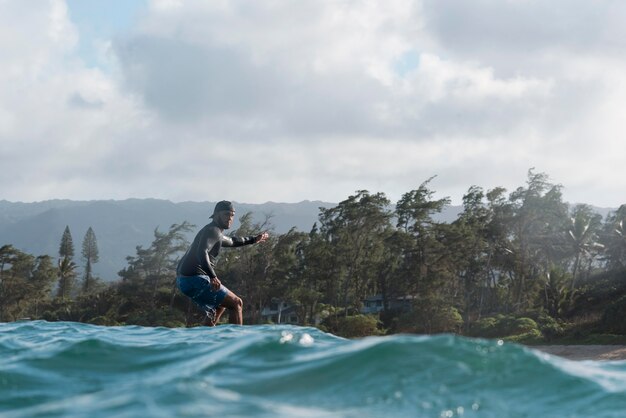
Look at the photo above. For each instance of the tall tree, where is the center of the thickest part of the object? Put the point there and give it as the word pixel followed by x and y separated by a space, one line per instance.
pixel 473 255
pixel 67 275
pixel 312 280
pixel 538 222
pixel 614 238
pixel 414 212
pixel 153 269
pixel 90 255
pixel 500 258
pixel 67 267
pixel 43 277
pixel 356 227
pixel 284 276
pixel 25 283
pixel 389 271
pixel 582 235
pixel 9 283
pixel 66 249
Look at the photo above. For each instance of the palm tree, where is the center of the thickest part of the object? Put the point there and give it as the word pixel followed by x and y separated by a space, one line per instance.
pixel 66 274
pixel 582 235
pixel 614 238
pixel 620 231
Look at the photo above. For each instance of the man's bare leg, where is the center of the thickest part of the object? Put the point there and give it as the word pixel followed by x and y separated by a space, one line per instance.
pixel 234 304
pixel 218 314
pixel 212 320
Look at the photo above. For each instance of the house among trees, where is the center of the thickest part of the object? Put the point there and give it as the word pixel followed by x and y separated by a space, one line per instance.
pixel 279 312
pixel 374 304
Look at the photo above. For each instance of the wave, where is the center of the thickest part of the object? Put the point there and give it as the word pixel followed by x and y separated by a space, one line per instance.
pixel 71 369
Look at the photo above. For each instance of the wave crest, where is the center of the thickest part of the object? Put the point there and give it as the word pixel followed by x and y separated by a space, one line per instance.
pixel 68 369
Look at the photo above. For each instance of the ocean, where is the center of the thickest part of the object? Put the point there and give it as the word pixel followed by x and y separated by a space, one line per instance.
pixel 65 369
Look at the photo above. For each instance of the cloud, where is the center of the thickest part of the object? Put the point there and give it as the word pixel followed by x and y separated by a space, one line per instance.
pixel 314 70
pixel 79 101
pixel 312 99
pixel 51 147
pixel 530 30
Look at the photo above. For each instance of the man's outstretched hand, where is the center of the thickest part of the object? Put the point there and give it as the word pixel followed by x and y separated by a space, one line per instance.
pixel 262 237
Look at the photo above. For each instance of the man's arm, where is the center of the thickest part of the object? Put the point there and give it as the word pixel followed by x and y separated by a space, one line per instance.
pixel 210 238
pixel 241 241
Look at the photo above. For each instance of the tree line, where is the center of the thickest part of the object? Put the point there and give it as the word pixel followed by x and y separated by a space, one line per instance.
pixel 521 264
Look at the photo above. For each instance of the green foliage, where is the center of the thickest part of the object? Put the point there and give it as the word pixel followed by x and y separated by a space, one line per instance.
pixel 501 326
pixel 596 293
pixel 550 328
pixel 59 310
pixel 25 283
pixel 67 276
pixel 539 217
pixel 613 238
pixel 431 315
pixel 153 268
pixel 66 248
pixel 357 326
pixel 613 319
pixel 415 209
pixel 90 255
pixel 524 325
pixel 90 246
pixel 557 293
pixel 533 336
pixel 355 229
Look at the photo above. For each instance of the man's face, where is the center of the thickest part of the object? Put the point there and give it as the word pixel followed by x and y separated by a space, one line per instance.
pixel 227 217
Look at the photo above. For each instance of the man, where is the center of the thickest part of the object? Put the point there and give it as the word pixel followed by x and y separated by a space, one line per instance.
pixel 196 276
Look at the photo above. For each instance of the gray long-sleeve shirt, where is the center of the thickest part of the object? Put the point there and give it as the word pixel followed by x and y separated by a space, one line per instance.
pixel 201 256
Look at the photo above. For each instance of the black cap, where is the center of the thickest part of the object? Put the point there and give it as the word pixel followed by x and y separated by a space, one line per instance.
pixel 223 205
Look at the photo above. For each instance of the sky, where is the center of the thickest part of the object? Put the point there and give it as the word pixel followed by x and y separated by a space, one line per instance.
pixel 284 101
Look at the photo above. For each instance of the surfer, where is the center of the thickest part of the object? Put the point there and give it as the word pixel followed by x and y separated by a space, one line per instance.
pixel 196 276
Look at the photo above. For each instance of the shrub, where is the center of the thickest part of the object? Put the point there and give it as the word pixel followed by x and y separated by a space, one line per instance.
pixel 550 327
pixel 59 310
pixel 448 320
pixel 613 317
pixel 531 337
pixel 503 326
pixel 485 327
pixel 523 325
pixel 356 326
pixel 431 315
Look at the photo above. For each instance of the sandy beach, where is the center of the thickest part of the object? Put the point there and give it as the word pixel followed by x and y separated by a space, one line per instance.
pixel 585 352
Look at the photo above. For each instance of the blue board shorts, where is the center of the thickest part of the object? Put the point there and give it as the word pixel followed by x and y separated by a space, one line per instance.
pixel 199 289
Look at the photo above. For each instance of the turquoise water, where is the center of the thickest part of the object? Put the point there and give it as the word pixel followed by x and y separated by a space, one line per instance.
pixel 78 370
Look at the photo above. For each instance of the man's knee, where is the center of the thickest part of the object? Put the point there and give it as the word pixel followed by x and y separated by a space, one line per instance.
pixel 238 303
pixel 233 301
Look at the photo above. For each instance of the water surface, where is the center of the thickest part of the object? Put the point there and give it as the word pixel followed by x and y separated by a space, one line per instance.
pixel 76 370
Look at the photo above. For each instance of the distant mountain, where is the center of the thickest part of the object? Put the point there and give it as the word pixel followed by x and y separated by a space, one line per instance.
pixel 120 226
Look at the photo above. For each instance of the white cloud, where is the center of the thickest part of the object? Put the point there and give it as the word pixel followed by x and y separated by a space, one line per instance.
pixel 58 119
pixel 60 30
pixel 287 100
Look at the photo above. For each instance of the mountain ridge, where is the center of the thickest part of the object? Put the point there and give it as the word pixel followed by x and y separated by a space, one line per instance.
pixel 122 225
